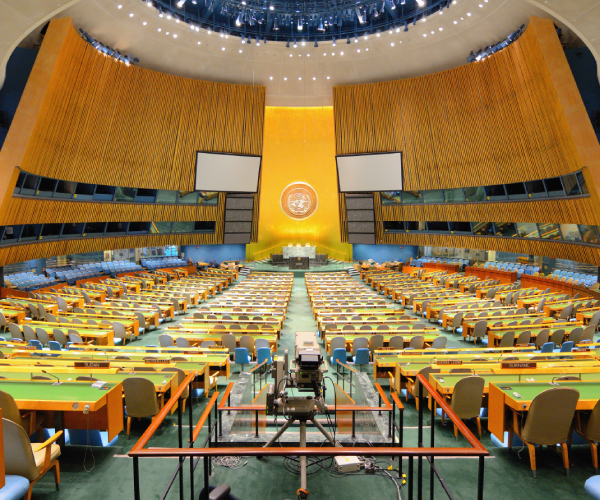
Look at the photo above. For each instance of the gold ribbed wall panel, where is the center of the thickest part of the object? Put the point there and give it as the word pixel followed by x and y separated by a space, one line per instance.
pixel 20 253
pixel 492 122
pixel 103 122
pixel 565 211
pixel 575 252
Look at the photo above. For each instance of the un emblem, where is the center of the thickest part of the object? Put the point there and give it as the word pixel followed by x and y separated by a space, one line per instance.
pixel 299 200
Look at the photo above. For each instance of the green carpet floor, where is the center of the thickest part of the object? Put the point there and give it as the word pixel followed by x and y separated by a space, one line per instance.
pixel 506 476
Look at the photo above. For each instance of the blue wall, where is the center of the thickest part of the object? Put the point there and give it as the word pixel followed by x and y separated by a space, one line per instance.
pixel 17 72
pixel 382 253
pixel 206 253
pixel 583 67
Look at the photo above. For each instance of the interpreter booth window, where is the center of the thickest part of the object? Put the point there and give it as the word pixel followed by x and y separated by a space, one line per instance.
pixel 549 231
pixel 483 228
pixel 589 234
pixel 527 230
pixel 570 232
pixel 506 229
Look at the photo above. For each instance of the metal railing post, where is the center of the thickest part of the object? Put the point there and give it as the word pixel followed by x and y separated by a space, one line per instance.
pixel 136 478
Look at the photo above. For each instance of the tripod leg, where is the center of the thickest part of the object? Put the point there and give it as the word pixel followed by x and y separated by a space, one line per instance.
pixel 303 492
pixel 279 433
pixel 324 431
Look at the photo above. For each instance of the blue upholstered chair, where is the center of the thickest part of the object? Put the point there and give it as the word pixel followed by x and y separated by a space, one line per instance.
pixel 567 346
pixel 547 347
pixel 362 357
pixel 241 357
pixel 263 354
pixel 338 355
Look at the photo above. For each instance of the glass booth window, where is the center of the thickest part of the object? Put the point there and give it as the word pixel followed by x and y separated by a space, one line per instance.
pixel 570 232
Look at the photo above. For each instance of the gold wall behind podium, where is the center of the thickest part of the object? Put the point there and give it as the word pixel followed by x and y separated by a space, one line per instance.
pixel 298 146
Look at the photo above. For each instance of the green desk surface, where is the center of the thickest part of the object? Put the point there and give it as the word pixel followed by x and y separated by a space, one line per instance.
pixel 217 336
pixel 507 319
pixel 448 381
pixel 64 328
pixel 41 390
pixel 588 390
pixel 536 329
pixel 386 338
pixel 382 311
pixel 235 314
pixel 158 379
pixel 110 356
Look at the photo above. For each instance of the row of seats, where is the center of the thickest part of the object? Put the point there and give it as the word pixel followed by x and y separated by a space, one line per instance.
pixel 583 279
pixel 29 281
pixel 512 267
pixel 165 262
pixel 422 260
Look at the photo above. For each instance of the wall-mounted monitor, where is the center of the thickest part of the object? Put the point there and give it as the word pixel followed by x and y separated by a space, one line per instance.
pixel 227 172
pixel 370 172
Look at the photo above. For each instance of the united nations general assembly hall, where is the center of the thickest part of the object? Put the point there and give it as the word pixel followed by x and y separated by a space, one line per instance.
pixel 291 250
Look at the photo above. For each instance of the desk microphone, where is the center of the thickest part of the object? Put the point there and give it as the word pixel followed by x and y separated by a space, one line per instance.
pixel 58 382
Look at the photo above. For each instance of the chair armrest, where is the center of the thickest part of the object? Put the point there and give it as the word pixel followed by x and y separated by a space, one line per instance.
pixel 31 421
pixel 49 441
pixel 47 444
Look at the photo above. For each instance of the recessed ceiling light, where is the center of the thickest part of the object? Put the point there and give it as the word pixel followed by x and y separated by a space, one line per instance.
pixel 167 33
pixel 291 55
pixel 222 35
pixel 119 6
pixel 480 5
pixel 199 43
pixel 240 51
pixel 392 44
pixel 270 78
pixel 366 37
pixel 433 32
pixel 222 48
pixel 299 78
pixel 324 53
pixel 303 43
pixel 425 34
pixel 378 35
pixel 328 78
pixel 342 53
pixel 271 7
pixel 131 14
pixel 357 50
pixel 307 55
pixel 159 29
pixel 397 30
pixel 209 32
pixel 391 32
pixel 441 12
pixel 314 77
pixel 197 29
pixel 469 14
pixel 455 22
pixel 168 16
pixel 144 23
pixel 285 77
pixel 367 49
pixel 333 53
pixel 174 35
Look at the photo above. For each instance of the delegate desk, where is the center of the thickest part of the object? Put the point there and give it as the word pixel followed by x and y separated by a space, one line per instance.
pixel 64 404
pixel 101 334
pixel 222 329
pixel 195 338
pixel 495 333
pixel 505 407
pixel 428 336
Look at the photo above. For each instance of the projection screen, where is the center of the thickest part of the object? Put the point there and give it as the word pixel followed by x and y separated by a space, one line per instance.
pixel 227 172
pixel 370 172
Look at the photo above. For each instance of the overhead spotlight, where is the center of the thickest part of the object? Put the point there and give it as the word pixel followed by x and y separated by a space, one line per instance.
pixel 295 44
pixel 316 43
pixel 160 12
pixel 299 24
pixel 275 25
pixel 149 3
pixel 180 3
pixel 238 20
pixel 303 43
pixel 271 7
pixel 355 39
pixel 366 37
pixel 421 3
pixel 168 15
pixel 320 27
pixel 257 41
pixel 333 43
pixel 243 39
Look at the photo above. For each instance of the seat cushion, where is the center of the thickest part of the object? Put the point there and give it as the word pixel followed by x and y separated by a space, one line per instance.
pixel 39 456
pixel 15 487
pixel 592 487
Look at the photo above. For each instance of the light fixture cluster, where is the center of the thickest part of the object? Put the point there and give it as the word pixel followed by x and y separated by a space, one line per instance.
pixel 492 49
pixel 258 21
pixel 108 51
